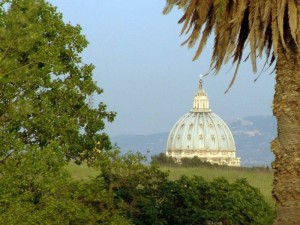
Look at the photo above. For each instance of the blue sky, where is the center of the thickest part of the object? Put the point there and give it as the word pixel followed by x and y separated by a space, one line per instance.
pixel 147 77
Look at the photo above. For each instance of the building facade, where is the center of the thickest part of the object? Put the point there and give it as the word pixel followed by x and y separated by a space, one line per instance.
pixel 202 133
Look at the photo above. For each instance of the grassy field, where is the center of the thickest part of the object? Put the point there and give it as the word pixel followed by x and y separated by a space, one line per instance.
pixel 257 177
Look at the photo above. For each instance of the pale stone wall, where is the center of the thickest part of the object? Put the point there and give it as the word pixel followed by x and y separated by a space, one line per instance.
pixel 216 157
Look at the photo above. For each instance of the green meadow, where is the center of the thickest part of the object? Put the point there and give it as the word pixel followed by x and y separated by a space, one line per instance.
pixel 260 178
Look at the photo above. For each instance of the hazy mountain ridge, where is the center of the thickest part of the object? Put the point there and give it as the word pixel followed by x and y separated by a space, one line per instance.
pixel 252 138
pixel 147 144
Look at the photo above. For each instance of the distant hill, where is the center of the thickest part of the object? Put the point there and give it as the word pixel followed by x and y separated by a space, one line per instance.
pixel 149 145
pixel 252 138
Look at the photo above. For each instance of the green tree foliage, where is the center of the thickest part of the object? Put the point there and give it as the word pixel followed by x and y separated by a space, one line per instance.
pixel 44 86
pixel 36 189
pixel 196 201
pixel 45 118
pixel 197 162
pixel 126 183
pixel 144 195
pixel 163 160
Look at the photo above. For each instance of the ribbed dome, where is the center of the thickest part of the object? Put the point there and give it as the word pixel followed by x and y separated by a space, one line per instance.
pixel 200 130
pixel 202 133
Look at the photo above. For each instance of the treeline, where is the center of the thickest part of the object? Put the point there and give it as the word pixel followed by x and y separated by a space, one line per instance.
pixel 36 188
pixel 162 160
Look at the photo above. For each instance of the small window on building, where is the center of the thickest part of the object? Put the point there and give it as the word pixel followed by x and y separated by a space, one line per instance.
pixel 213 137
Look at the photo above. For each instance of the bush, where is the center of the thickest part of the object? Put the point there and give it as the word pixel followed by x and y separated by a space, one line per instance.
pixel 195 162
pixel 164 160
pixel 196 201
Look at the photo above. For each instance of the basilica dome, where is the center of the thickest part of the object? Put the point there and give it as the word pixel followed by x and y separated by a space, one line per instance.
pixel 202 133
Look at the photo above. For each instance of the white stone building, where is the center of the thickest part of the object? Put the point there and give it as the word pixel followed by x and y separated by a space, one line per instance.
pixel 202 133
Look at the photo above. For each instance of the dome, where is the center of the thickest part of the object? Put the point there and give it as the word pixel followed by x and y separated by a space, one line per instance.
pixel 202 133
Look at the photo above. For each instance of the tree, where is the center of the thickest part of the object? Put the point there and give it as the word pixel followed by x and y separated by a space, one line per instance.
pixel 35 188
pixel 45 118
pixel 273 27
pixel 134 193
pixel 162 159
pixel 196 201
pixel 44 86
pixel 127 182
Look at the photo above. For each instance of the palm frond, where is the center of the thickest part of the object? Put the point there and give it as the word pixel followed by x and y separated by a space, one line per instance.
pixel 275 32
pixel 260 23
pixel 293 23
pixel 206 33
pixel 188 15
pixel 281 4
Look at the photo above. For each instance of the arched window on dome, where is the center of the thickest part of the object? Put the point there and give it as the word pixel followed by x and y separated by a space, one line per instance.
pixel 191 127
pixel 213 138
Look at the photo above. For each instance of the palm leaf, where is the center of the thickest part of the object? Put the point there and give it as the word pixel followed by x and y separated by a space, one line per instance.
pixel 281 4
pixel 292 14
pixel 261 23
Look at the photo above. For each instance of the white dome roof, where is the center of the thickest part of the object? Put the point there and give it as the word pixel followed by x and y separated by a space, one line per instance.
pixel 200 130
pixel 202 133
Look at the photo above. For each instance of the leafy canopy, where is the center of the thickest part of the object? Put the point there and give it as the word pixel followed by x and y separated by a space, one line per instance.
pixel 44 86
pixel 45 118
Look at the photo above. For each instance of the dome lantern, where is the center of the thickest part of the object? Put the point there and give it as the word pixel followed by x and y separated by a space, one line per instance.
pixel 201 102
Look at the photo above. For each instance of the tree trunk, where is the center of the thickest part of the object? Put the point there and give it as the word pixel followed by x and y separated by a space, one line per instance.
pixel 286 147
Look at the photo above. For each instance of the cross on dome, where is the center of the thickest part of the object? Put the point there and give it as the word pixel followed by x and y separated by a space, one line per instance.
pixel 200 81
